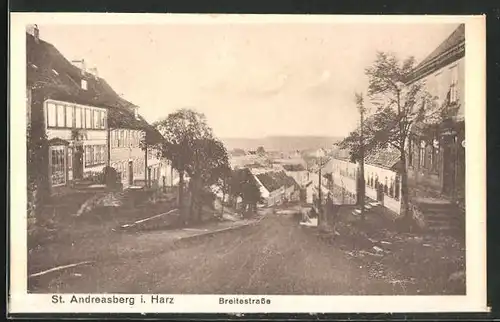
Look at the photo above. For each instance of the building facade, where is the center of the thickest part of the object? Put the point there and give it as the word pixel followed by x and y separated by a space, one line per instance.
pixel 436 151
pixel 72 113
pixel 77 141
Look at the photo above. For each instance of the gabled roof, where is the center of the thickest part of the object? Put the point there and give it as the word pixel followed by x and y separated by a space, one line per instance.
pixel 274 180
pixel 50 73
pixel 293 167
pixel 451 49
pixel 385 158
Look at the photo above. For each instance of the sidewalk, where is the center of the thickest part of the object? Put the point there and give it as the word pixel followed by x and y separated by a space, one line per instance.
pixel 116 243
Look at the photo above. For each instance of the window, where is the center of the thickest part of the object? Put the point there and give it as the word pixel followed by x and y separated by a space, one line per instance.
pixel 124 171
pixel 61 117
pixel 70 159
pixel 89 155
pixel 78 117
pixel 69 116
pixel 51 115
pixel 112 138
pixel 454 83
pixel 439 86
pixel 97 120
pixel 435 155
pixel 102 115
pixel 95 155
pixel 119 141
pixel 57 166
pixel 88 123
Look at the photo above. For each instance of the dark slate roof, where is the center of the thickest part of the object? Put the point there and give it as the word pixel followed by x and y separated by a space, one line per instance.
pixel 274 180
pixel 49 72
pixel 385 158
pixel 293 167
pixel 450 49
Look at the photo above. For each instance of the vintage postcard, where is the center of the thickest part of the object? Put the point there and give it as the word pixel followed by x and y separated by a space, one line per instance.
pixel 247 163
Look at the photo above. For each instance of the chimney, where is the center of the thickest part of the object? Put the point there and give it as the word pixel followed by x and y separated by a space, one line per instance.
pixel 34 31
pixel 136 113
pixel 80 64
pixel 93 71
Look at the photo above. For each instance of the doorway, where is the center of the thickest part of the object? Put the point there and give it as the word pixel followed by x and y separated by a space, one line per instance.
pixel 78 162
pixel 131 173
pixel 449 166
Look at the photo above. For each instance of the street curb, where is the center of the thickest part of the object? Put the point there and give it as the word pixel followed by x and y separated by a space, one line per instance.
pixel 210 233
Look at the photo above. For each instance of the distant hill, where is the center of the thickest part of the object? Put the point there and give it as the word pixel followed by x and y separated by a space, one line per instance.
pixel 281 143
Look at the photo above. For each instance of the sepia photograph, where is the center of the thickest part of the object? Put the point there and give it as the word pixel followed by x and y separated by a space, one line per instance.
pixel 248 160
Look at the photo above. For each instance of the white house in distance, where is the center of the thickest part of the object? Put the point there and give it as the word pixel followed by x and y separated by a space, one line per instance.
pixel 298 172
pixel 277 187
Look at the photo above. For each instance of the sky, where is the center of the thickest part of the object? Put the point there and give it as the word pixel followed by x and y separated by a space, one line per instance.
pixel 250 80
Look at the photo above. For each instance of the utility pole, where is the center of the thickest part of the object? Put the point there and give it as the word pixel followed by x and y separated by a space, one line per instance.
pixel 321 162
pixel 361 180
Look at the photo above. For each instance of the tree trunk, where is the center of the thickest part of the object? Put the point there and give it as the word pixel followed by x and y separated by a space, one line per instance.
pixel 222 203
pixel 192 198
pixel 404 186
pixel 180 197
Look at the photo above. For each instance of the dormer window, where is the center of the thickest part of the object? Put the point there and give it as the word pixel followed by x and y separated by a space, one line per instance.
pixel 84 84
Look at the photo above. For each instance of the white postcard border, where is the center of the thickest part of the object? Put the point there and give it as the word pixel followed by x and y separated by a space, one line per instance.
pixel 474 301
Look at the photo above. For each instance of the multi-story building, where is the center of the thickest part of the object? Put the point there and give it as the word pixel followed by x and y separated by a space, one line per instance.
pixel 137 163
pixel 436 151
pixel 77 111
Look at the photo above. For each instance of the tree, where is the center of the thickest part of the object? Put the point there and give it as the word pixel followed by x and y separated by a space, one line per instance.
pixel 261 151
pixel 181 131
pixel 398 107
pixel 210 164
pixel 244 186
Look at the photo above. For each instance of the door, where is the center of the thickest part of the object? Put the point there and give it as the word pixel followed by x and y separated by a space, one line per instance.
pixel 449 166
pixel 78 162
pixel 131 173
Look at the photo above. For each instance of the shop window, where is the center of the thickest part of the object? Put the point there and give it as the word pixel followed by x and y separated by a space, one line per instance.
pixel 89 155
pixel 70 159
pixel 95 155
pixel 57 166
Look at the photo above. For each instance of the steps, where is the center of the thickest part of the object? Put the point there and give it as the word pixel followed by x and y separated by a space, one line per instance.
pixel 369 206
pixel 442 216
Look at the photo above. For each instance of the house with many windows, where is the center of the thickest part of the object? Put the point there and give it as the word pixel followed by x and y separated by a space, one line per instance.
pixel 75 110
pixel 436 150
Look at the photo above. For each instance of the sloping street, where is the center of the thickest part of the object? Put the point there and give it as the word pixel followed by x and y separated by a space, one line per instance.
pixel 276 256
